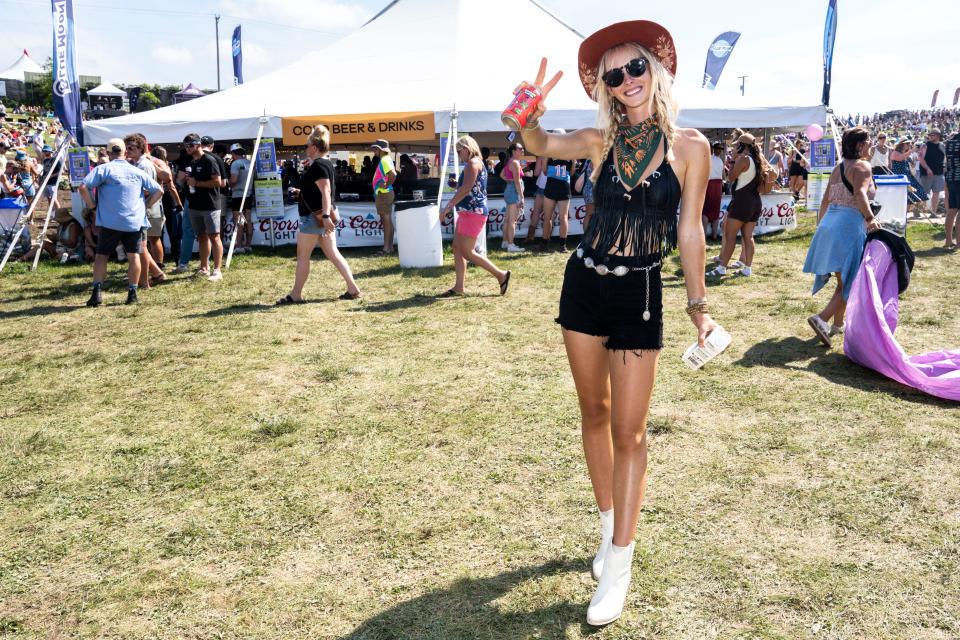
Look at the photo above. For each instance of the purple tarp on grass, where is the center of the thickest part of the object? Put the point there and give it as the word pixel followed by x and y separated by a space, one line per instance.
pixel 872 313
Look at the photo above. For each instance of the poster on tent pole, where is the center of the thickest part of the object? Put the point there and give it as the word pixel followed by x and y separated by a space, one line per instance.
pixel 78 160
pixel 268 195
pixel 266 159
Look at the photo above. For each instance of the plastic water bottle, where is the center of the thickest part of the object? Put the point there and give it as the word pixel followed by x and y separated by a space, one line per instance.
pixel 716 343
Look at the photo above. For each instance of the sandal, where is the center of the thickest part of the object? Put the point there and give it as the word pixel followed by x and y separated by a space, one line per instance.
pixel 155 280
pixel 452 293
pixel 288 299
pixel 348 296
pixel 505 284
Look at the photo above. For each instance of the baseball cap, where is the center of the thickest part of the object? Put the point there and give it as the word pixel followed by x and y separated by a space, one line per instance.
pixel 115 145
pixel 47 147
pixel 236 146
pixel 191 138
pixel 207 140
pixel 746 138
pixel 935 132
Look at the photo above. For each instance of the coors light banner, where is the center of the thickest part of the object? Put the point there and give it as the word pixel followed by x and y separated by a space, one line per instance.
pixel 66 85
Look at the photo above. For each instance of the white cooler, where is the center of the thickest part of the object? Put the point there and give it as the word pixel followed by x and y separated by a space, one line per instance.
pixel 892 194
pixel 419 241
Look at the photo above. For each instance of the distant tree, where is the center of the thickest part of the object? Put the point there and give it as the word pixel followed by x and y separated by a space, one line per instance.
pixel 148 101
pixel 40 93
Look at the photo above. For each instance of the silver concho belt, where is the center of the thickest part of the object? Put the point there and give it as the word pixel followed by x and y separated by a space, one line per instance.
pixel 621 270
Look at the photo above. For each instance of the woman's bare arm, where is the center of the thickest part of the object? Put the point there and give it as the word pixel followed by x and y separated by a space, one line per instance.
pixel 470 173
pixel 692 153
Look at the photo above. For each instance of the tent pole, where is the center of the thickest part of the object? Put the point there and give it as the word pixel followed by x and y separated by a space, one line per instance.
pixel 444 161
pixel 18 227
pixel 246 188
pixel 46 222
pixel 456 158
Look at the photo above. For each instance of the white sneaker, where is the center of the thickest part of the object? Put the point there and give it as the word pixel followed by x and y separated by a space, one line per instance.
pixel 746 271
pixel 606 539
pixel 512 248
pixel 216 276
pixel 202 272
pixel 836 330
pixel 607 603
pixel 820 328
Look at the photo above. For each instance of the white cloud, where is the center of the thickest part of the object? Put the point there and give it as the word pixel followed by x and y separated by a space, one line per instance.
pixel 172 55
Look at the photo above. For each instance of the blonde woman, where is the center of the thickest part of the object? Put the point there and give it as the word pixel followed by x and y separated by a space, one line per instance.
pixel 318 218
pixel 470 200
pixel 611 312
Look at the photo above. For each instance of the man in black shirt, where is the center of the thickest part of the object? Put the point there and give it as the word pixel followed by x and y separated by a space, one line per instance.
pixel 931 168
pixel 219 152
pixel 952 175
pixel 204 181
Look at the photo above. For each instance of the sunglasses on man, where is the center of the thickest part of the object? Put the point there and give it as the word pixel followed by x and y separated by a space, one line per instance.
pixel 636 68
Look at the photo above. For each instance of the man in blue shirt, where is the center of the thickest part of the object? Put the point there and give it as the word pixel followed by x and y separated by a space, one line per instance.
pixel 121 215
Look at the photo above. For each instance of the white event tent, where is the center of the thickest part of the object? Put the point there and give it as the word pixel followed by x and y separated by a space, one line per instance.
pixel 23 64
pixel 107 89
pixel 419 56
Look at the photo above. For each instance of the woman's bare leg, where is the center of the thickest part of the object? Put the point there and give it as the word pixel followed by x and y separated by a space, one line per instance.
pixel 549 208
pixel 837 306
pixel 563 212
pixel 328 244
pixel 467 250
pixel 631 386
pixel 306 242
pixel 590 365
pixel 730 229
pixel 748 243
pixel 510 224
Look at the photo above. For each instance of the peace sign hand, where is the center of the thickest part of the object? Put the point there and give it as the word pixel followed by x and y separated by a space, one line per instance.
pixel 545 89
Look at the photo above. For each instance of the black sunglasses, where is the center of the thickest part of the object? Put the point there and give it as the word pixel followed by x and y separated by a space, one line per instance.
pixel 636 68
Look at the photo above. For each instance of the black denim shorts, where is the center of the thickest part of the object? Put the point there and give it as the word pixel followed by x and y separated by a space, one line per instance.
pixel 612 306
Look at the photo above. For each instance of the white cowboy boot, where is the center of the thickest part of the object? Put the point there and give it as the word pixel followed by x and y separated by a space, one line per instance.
pixel 607 603
pixel 606 537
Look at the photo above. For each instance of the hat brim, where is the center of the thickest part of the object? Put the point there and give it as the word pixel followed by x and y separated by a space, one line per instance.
pixel 379 148
pixel 650 35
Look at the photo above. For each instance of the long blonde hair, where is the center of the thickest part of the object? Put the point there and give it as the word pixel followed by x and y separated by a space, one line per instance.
pixel 663 107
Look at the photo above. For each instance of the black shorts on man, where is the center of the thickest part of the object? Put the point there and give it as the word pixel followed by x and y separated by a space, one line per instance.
pixel 108 239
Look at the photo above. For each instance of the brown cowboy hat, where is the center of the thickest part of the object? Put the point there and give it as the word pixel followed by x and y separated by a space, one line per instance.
pixel 650 35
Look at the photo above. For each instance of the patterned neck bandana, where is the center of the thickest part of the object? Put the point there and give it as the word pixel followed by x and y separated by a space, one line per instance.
pixel 635 147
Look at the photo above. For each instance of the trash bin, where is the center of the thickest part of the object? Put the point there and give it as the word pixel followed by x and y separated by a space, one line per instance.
pixel 892 194
pixel 419 241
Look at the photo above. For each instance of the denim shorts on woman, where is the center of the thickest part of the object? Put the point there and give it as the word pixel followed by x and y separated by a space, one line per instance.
pixel 510 193
pixel 612 306
pixel 309 225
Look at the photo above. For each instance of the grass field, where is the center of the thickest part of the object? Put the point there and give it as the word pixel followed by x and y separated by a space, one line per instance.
pixel 205 465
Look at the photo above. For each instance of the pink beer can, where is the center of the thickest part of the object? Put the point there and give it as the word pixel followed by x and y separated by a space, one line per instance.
pixel 523 106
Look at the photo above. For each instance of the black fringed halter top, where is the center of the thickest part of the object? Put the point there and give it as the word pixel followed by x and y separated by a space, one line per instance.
pixel 641 223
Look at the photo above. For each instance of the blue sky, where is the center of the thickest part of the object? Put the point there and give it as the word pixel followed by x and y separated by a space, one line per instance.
pixel 875 67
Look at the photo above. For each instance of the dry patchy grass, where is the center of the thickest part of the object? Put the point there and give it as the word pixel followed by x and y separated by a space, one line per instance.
pixel 207 466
